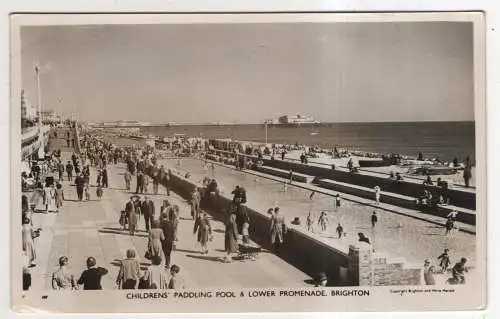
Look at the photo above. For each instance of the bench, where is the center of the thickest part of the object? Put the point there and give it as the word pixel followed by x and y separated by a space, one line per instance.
pixel 365 192
pixel 296 177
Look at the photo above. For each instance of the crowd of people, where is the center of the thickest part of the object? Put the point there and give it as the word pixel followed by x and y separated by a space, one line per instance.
pixel 161 228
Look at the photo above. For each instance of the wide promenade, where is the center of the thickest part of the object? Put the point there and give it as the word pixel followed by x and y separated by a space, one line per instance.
pixel 83 229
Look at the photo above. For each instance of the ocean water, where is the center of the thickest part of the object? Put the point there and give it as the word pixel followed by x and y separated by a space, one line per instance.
pixel 434 139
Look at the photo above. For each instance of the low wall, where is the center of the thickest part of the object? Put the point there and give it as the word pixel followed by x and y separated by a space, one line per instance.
pixel 371 269
pixel 296 177
pixel 457 197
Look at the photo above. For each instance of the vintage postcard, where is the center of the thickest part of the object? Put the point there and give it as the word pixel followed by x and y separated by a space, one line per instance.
pixel 188 163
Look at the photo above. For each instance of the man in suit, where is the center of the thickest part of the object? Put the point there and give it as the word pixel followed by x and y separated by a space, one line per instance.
pixel 168 227
pixel 140 183
pixel 80 185
pixel 277 229
pixel 148 211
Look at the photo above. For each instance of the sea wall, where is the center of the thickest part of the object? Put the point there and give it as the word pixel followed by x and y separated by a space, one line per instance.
pixel 302 250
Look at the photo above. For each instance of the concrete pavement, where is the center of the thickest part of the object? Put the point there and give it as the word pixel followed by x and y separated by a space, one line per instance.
pixel 83 229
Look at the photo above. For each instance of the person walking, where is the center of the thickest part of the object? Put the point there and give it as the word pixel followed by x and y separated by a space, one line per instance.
pixel 444 261
pixel 28 240
pixel 156 179
pixel 277 229
pixel 203 230
pixel 49 198
pixel 105 179
pixel 127 177
pixel 140 183
pixel 80 185
pixel 309 221
pixel 91 277
pixel 168 233
pixel 230 238
pixel 374 219
pixel 377 195
pixel 339 230
pixel 148 212
pixel 59 196
pixel 155 239
pixel 129 272
pixel 99 192
pixel 131 213
pixel 323 221
pixel 195 203
pixel 337 202
pixel 146 183
pixel 174 219
pixel 62 279
pixel 60 169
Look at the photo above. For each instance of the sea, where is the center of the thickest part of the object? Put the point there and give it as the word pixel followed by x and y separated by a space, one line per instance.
pixel 443 140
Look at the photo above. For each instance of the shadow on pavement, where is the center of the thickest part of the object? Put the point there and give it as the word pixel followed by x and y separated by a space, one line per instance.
pixel 209 258
pixel 121 232
pixel 187 251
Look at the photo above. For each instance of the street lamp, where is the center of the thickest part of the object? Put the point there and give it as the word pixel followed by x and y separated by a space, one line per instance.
pixel 41 150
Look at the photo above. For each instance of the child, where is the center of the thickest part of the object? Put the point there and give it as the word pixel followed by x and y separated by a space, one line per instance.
pixel 99 177
pixel 323 221
pixel 86 190
pixel 244 233
pixel 374 219
pixel 340 230
pixel 99 192
pixel 377 195
pixel 445 261
pixel 337 202
pixel 309 222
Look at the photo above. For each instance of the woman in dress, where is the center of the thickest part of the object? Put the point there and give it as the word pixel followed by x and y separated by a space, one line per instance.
pixel 156 238
pixel 155 277
pixel 174 219
pixel 28 242
pixel 59 196
pixel 132 218
pixel 49 197
pixel 230 238
pixel 204 230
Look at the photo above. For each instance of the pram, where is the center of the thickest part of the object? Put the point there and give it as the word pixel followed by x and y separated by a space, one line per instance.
pixel 248 251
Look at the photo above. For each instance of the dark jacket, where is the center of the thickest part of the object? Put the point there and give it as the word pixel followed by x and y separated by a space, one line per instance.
pixel 91 278
pixel 148 208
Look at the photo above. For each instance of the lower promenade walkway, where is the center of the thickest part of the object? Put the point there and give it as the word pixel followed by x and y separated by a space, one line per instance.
pixel 83 229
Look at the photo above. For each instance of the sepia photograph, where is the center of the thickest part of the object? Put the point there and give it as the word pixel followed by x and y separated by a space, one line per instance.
pixel 243 162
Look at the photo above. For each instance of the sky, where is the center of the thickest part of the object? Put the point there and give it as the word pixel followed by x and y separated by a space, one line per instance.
pixel 247 73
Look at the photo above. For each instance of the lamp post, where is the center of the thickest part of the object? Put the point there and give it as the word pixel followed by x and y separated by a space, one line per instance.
pixel 265 125
pixel 41 150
